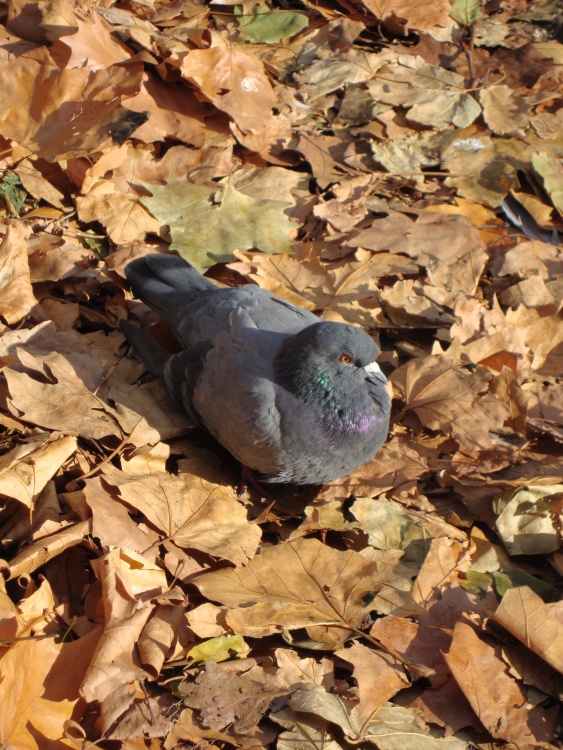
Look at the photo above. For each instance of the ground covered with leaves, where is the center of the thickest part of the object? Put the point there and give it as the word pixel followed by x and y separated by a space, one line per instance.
pixel 396 165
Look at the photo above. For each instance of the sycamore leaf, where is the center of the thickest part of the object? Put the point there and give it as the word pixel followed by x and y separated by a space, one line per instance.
pixel 39 689
pixel 503 111
pixel 305 583
pixel 235 81
pixel 402 15
pixel 197 514
pixel 40 552
pixel 304 731
pixel 126 580
pixel 206 232
pixel 435 96
pixel 56 398
pixel 270 27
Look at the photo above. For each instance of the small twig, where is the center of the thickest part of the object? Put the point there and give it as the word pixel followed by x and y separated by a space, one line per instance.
pixel 153 720
pixel 469 52
pixel 7 641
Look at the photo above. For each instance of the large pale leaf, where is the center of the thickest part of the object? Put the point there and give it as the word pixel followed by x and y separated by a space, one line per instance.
pixel 530 523
pixel 270 27
pixel 389 728
pixel 205 232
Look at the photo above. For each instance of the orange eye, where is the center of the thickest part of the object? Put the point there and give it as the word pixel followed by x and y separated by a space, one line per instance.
pixel 346 359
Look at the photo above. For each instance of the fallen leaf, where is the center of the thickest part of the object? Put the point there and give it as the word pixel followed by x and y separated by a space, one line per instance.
pixel 17 294
pixel 435 96
pixel 525 615
pixel 530 522
pixel 126 579
pixel 234 81
pixel 26 469
pixel 205 233
pixel 195 513
pixel 39 690
pixel 495 697
pixel 335 589
pixel 223 701
pixel 378 675
pixel 389 728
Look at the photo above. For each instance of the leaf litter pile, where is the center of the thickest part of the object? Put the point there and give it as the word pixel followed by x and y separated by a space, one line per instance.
pixel 393 165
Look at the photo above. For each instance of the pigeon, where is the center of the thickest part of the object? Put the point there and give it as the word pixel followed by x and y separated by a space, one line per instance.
pixel 294 398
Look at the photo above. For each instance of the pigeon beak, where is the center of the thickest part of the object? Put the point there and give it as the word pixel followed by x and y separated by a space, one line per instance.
pixel 374 374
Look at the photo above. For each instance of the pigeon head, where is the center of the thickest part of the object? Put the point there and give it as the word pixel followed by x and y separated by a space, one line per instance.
pixel 332 366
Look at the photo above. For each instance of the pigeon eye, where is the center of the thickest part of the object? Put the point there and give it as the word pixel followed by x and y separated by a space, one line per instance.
pixel 346 359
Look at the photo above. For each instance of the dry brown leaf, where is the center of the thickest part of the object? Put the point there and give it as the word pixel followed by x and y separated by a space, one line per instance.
pixel 406 15
pixel 178 113
pixel 378 675
pixel 35 612
pixel 126 581
pixel 224 701
pixel 448 397
pixel 205 620
pixel 446 559
pixel 397 466
pixel 77 107
pixel 295 671
pixel 59 400
pixel 526 616
pixel 448 246
pixel 303 731
pixel 17 294
pixel 145 412
pixel 388 728
pixel 158 636
pixel 90 46
pixel 112 524
pixel 302 583
pixel 123 216
pixel 503 111
pixel 434 96
pixel 43 550
pixel 496 698
pixel 39 684
pixel 37 185
pixel 195 513
pixel 26 469
pixel 530 259
pixel 234 81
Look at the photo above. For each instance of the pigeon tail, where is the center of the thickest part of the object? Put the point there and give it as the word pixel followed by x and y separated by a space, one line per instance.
pixel 159 279
pixel 154 357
